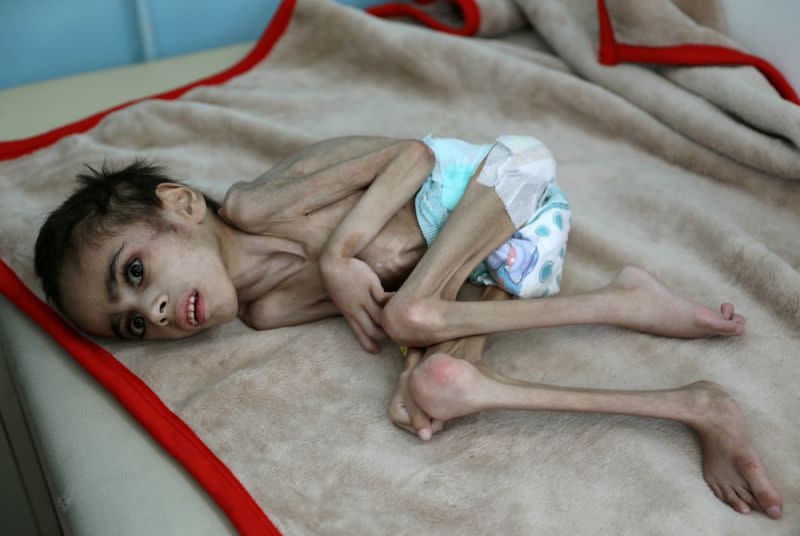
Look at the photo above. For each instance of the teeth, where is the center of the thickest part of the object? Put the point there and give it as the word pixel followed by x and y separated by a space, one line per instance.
pixel 192 317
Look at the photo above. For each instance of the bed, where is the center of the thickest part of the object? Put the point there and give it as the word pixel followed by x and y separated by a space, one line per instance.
pixel 104 473
pixel 90 451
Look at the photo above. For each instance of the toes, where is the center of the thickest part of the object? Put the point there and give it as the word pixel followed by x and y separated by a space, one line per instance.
pixel 770 503
pixel 401 419
pixel 764 491
pixel 733 499
pixel 747 497
pixel 422 425
pixel 720 325
pixel 740 322
pixel 727 310
pixel 717 491
pixel 774 512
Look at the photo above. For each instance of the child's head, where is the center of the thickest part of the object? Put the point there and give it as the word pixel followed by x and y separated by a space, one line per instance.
pixel 134 254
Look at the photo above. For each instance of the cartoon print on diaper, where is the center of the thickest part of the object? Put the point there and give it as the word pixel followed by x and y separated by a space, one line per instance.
pixel 513 261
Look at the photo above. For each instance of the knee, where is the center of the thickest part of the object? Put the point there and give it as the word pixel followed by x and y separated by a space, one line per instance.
pixel 409 322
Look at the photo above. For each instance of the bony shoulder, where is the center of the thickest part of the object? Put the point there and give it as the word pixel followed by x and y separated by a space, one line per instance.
pixel 263 313
pixel 231 205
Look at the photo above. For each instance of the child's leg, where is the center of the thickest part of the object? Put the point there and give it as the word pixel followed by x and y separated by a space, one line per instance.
pixel 420 314
pixel 445 388
pixel 441 388
pixel 403 411
pixel 635 299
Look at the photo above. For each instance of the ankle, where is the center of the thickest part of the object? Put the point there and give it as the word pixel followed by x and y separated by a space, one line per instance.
pixel 705 402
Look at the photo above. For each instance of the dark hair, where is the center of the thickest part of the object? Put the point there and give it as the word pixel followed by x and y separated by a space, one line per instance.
pixel 106 200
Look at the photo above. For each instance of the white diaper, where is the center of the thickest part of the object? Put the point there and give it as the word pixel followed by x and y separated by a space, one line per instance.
pixel 519 168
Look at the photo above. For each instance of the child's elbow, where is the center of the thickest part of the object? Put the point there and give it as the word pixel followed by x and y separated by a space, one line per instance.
pixel 263 314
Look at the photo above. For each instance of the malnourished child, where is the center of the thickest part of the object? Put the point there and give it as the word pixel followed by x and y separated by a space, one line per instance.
pixel 384 232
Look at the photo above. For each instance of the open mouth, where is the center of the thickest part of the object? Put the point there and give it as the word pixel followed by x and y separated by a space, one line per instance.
pixel 194 311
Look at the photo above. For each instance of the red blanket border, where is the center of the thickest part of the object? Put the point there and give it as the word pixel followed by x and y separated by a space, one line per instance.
pixel 612 52
pixel 143 404
pixel 470 12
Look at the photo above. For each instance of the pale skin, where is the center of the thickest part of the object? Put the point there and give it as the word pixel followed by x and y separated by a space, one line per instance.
pixel 330 228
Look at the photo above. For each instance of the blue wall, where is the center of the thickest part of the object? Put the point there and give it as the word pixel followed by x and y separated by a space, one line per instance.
pixel 42 39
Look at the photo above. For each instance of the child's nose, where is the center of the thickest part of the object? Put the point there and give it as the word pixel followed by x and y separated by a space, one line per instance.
pixel 158 310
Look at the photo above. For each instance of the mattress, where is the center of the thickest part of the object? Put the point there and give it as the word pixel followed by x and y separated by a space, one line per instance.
pixel 99 463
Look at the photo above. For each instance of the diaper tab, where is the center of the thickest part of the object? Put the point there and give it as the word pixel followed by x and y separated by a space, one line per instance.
pixel 519 168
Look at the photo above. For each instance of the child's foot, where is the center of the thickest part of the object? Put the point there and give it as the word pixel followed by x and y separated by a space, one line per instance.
pixel 445 388
pixel 656 309
pixel 731 466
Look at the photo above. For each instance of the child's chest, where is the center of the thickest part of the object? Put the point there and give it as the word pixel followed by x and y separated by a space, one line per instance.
pixel 392 254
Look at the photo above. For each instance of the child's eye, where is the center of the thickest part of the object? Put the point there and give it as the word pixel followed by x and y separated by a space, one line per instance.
pixel 135 271
pixel 136 325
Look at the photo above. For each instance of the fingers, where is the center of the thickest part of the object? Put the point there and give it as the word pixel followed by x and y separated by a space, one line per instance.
pixel 380 295
pixel 374 328
pixel 368 344
pixel 366 323
pixel 367 331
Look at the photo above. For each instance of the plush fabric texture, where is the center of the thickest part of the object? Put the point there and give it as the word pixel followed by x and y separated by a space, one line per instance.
pixel 690 172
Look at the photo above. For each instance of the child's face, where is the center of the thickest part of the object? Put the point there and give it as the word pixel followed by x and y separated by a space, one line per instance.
pixel 144 283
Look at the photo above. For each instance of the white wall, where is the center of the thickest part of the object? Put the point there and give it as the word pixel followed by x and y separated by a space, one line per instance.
pixel 768 28
pixel 43 39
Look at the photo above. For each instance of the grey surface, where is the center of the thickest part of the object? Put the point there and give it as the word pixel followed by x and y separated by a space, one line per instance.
pixel 106 474
pixel 25 504
pixel 16 516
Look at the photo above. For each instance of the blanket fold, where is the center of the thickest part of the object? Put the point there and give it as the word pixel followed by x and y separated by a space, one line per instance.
pixel 730 110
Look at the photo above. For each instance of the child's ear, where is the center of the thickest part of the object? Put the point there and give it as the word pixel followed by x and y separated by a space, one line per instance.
pixel 182 200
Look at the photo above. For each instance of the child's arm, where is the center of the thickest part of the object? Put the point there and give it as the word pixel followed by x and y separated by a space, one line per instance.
pixel 351 284
pixel 312 178
pixel 320 175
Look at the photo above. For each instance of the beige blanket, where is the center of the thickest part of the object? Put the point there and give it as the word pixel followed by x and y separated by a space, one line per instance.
pixel 689 172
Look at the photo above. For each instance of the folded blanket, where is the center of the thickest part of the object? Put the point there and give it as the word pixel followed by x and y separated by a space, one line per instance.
pixel 688 171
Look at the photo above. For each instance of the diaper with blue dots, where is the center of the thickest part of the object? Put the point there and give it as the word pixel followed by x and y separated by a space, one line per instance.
pixel 530 262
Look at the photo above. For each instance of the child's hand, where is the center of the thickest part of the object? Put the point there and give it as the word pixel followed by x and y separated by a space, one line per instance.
pixel 358 294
